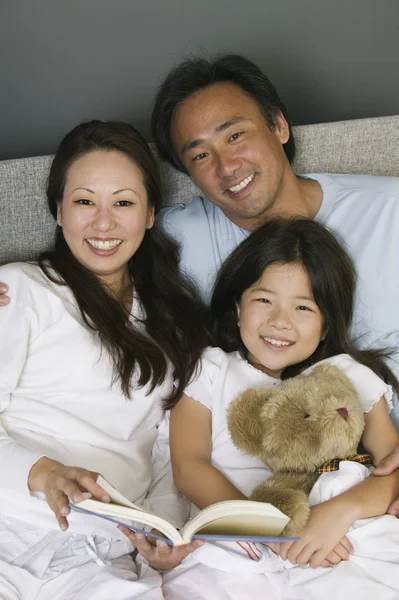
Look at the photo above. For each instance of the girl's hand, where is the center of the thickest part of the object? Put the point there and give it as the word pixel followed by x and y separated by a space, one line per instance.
pixel 59 483
pixel 159 554
pixel 341 551
pixel 322 539
pixel 385 467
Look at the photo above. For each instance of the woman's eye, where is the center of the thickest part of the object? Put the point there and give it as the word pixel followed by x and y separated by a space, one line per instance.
pixel 124 203
pixel 264 300
pixel 304 308
pixel 83 202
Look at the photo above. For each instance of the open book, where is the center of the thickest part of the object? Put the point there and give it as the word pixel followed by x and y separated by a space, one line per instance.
pixel 233 520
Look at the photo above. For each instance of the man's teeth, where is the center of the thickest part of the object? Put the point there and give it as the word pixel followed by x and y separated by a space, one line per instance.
pixel 107 245
pixel 276 342
pixel 242 185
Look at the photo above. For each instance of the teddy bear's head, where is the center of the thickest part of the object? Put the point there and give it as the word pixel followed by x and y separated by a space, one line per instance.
pixel 301 423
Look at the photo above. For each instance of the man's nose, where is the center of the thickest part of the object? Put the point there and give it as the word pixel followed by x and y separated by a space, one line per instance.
pixel 227 164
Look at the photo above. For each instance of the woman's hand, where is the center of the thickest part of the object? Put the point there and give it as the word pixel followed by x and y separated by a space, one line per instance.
pixel 322 539
pixel 59 483
pixel 159 554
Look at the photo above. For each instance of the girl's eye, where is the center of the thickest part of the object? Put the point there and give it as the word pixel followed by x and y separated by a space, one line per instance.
pixel 304 308
pixel 263 300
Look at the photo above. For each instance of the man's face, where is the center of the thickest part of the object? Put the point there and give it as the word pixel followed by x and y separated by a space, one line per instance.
pixel 225 144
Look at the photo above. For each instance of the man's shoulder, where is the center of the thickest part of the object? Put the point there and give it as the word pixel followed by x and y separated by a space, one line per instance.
pixel 182 213
pixel 346 183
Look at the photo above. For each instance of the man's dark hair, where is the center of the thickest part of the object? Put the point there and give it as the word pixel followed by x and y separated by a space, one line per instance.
pixel 333 282
pixel 175 320
pixel 195 74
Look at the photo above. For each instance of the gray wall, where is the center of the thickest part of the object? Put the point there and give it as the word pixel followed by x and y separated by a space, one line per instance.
pixel 63 61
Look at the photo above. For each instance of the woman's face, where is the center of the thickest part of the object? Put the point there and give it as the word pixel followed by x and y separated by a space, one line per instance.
pixel 104 214
pixel 280 323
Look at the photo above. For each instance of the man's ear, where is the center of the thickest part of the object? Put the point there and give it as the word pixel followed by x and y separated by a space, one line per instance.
pixel 59 214
pixel 282 128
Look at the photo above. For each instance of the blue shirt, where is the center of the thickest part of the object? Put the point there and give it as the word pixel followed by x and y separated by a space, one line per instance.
pixel 363 213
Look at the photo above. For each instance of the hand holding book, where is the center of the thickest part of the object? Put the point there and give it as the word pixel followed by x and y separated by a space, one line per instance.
pixel 232 520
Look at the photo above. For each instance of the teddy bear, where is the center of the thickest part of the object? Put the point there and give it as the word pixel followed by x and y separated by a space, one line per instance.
pixel 295 428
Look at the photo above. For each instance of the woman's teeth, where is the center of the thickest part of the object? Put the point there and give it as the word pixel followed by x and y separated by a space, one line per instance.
pixel 107 245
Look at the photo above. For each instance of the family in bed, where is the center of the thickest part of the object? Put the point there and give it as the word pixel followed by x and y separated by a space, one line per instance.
pixel 122 348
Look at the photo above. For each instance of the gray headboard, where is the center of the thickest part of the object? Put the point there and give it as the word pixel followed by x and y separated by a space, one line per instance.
pixel 369 146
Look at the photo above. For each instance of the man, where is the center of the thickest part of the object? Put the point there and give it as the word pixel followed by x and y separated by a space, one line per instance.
pixel 222 122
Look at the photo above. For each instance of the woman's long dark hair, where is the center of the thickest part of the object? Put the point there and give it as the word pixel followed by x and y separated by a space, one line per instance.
pixel 175 320
pixel 332 278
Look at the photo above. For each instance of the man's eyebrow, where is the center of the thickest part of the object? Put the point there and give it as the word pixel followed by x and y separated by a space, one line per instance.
pixel 218 129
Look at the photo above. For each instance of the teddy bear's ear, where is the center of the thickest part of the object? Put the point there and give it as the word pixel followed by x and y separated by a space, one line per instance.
pixel 244 422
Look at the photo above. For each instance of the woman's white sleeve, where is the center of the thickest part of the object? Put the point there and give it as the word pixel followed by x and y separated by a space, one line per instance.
pixel 163 498
pixel 16 460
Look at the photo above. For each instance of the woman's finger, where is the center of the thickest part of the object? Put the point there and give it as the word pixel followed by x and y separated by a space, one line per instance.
pixel 62 521
pixel 88 481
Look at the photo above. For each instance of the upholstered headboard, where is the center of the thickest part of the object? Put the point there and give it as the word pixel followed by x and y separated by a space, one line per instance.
pixel 369 146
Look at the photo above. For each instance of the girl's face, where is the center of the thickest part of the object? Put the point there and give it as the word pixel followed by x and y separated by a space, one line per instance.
pixel 280 323
pixel 104 214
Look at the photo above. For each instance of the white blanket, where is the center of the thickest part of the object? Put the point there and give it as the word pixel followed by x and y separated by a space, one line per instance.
pixel 232 572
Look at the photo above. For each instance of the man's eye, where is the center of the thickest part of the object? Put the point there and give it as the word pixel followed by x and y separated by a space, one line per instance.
pixel 235 136
pixel 200 156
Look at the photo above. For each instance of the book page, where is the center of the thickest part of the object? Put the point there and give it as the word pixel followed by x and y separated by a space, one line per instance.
pixel 117 497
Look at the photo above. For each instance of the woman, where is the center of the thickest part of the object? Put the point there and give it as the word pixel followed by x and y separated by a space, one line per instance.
pixel 91 342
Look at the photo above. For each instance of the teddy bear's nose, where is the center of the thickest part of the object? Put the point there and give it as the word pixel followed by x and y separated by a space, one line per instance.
pixel 343 412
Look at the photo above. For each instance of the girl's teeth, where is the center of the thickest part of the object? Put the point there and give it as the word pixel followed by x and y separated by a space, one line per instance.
pixel 276 342
pixel 104 245
pixel 242 185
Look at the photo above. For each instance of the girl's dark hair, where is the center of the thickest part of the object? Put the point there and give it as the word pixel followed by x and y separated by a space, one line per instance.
pixel 175 320
pixel 197 73
pixel 332 278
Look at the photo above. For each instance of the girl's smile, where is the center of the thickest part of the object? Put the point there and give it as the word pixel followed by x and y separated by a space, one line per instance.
pixel 280 323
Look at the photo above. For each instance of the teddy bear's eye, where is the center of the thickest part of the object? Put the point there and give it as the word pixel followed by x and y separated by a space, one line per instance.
pixel 306 416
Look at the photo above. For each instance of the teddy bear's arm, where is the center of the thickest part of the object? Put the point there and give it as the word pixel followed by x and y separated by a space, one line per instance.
pixel 289 493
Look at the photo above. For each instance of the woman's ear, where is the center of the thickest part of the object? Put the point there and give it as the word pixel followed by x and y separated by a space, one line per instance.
pixel 59 214
pixel 151 218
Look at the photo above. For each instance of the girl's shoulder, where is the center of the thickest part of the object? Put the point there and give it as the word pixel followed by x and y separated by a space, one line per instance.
pixel 369 386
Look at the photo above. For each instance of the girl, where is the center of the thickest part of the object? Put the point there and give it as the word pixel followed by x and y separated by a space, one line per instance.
pixel 283 301
pixel 90 343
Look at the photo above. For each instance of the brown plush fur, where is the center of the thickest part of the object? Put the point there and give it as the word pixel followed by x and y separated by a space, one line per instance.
pixel 294 428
